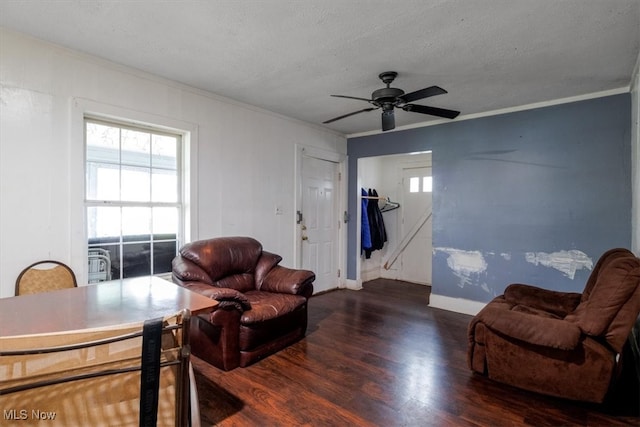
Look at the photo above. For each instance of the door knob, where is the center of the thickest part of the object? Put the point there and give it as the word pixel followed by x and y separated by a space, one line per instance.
pixel 305 238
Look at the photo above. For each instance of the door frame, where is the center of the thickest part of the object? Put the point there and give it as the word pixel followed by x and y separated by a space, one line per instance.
pixel 408 162
pixel 341 203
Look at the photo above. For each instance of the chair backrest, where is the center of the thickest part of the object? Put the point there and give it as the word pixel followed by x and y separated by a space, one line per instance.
pixel 604 260
pixel 44 276
pixel 613 302
pixel 228 262
pixel 99 377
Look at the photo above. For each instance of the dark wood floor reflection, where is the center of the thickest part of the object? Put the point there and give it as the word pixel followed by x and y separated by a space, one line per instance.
pixel 381 357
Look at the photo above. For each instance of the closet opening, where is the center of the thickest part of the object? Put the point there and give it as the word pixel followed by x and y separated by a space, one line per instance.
pixel 401 188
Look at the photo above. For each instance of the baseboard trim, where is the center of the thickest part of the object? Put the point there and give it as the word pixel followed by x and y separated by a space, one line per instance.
pixel 371 274
pixel 459 305
pixel 354 285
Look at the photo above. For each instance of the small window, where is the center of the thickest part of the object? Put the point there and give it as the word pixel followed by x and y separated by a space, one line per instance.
pixel 427 184
pixel 133 200
pixel 414 184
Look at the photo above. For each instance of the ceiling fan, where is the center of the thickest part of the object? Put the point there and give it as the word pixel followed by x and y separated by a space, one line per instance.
pixel 389 98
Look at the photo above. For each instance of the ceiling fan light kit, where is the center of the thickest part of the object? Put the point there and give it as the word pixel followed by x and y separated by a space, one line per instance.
pixel 388 98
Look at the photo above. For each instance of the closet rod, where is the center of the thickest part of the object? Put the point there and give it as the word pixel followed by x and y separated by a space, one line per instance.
pixel 376 198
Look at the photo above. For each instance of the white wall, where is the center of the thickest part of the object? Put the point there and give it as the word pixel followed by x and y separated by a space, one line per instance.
pixel 243 157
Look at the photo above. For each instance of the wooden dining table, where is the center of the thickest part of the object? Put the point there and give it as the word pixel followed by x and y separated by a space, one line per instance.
pixel 98 305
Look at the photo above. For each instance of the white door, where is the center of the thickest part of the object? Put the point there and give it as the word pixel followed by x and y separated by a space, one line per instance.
pixel 416 258
pixel 319 227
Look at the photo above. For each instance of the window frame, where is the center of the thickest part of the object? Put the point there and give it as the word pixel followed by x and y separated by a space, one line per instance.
pixel 81 107
pixel 181 189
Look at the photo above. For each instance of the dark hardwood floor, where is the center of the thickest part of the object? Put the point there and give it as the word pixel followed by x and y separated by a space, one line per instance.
pixel 381 357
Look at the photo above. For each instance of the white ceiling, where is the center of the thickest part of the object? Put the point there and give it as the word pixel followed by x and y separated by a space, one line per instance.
pixel 288 56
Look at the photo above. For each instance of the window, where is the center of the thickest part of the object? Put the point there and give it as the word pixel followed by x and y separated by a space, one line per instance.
pixel 133 199
pixel 414 184
pixel 427 184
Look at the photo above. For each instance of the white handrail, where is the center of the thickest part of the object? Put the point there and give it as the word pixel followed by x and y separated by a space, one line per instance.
pixel 407 239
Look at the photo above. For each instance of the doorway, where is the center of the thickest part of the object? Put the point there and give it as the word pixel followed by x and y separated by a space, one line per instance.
pixel 319 221
pixel 406 179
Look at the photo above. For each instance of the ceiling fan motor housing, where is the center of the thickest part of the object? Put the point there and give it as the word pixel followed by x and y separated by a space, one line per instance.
pixel 386 95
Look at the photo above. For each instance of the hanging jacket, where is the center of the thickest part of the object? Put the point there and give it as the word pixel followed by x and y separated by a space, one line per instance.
pixel 376 224
pixel 382 231
pixel 365 231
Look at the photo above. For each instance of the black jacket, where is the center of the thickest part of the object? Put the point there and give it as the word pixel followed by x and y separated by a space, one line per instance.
pixel 376 225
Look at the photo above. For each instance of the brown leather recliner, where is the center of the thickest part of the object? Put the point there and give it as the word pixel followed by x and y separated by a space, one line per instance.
pixel 557 343
pixel 262 305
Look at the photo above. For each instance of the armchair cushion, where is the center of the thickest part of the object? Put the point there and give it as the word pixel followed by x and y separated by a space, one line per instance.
pixel 268 305
pixel 558 303
pixel 542 330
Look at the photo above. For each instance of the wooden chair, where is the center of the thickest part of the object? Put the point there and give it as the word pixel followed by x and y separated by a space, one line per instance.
pixel 101 377
pixel 43 276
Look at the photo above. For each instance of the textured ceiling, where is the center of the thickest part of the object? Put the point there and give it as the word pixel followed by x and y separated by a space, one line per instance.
pixel 288 56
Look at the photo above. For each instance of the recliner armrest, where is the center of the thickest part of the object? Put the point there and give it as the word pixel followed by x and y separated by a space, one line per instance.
pixel 265 263
pixel 184 271
pixel 543 331
pixel 226 297
pixel 230 298
pixel 558 303
pixel 288 280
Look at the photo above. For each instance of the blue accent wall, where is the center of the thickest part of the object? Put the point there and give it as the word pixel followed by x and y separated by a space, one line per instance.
pixel 533 196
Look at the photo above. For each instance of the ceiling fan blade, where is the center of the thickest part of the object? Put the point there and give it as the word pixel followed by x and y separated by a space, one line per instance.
pixel 352 97
pixel 434 111
pixel 388 120
pixel 423 93
pixel 350 114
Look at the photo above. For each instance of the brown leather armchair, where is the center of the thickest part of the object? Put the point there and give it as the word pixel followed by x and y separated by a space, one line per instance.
pixel 262 305
pixel 557 343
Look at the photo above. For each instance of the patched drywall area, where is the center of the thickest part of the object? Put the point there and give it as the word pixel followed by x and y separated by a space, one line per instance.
pixel 532 197
pixel 467 265
pixel 566 262
pixel 475 268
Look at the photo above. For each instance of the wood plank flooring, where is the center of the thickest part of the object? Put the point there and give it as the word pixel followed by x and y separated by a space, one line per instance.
pixel 381 357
